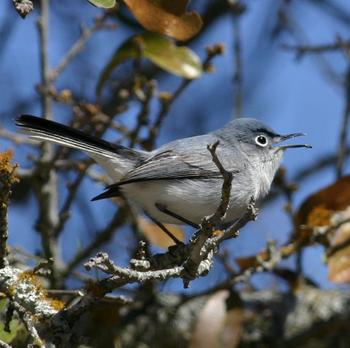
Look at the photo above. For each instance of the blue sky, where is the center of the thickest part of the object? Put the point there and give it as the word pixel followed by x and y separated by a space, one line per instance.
pixel 289 95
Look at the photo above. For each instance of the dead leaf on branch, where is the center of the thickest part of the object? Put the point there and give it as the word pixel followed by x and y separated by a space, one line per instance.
pixel 167 17
pixel 318 208
pixel 158 237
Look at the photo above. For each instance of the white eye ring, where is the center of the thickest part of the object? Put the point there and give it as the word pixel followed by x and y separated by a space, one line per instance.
pixel 261 140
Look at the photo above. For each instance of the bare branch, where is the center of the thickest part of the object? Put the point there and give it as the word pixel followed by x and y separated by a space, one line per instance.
pixel 220 213
pixel 46 189
pixel 4 345
pixel 16 138
pixel 237 9
pixel 101 238
pixel 29 322
pixel 167 99
pixel 7 179
pixel 343 136
pixel 339 44
pixel 79 45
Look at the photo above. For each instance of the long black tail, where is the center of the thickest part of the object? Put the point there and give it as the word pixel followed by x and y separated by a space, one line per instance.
pixel 52 131
pixel 117 160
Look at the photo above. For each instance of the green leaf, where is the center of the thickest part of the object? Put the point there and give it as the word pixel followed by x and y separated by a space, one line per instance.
pixel 162 51
pixel 15 327
pixel 103 3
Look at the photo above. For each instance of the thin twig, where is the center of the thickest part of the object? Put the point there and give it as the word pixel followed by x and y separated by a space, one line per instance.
pixel 343 136
pixel 142 117
pixel 167 99
pixel 16 138
pixel 237 77
pixel 7 179
pixel 226 186
pixel 78 46
pixel 46 189
pixel 64 212
pixel 340 44
pixel 237 9
pixel 103 237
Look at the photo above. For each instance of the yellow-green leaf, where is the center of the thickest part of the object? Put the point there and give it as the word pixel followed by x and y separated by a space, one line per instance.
pixel 103 3
pixel 162 51
pixel 15 326
pixel 168 17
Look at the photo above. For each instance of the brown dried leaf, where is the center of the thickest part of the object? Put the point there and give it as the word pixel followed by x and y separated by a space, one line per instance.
pixel 318 208
pixel 246 262
pixel 211 321
pixel 251 261
pixel 167 17
pixel 158 237
pixel 319 216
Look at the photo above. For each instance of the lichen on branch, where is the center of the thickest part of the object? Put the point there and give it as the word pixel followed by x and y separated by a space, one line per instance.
pixel 7 179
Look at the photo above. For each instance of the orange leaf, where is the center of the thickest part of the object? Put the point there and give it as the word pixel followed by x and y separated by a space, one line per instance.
pixel 167 17
pixel 251 261
pixel 318 208
pixel 158 237
pixel 246 262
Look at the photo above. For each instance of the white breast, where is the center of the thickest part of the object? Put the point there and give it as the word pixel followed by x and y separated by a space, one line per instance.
pixel 265 171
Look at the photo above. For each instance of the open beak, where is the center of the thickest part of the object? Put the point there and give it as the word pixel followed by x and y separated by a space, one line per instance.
pixel 281 138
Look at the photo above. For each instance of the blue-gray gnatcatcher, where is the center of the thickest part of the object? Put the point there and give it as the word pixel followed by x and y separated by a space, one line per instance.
pixel 179 182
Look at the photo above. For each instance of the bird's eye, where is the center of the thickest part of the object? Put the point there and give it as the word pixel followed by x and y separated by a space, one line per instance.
pixel 261 140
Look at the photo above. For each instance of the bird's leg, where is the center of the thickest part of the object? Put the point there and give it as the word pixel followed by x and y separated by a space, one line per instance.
pixel 164 229
pixel 165 210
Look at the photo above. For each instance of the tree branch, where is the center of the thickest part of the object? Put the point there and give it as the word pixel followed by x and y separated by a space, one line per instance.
pixel 79 45
pixel 7 179
pixel 343 135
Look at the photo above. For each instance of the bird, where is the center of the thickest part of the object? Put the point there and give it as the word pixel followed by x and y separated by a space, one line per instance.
pixel 179 183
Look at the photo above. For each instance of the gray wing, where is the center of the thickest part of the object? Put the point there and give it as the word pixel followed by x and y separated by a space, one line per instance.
pixel 182 159
pixel 185 159
pixel 170 165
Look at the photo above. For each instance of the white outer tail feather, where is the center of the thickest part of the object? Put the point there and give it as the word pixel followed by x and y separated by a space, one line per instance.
pixel 115 165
